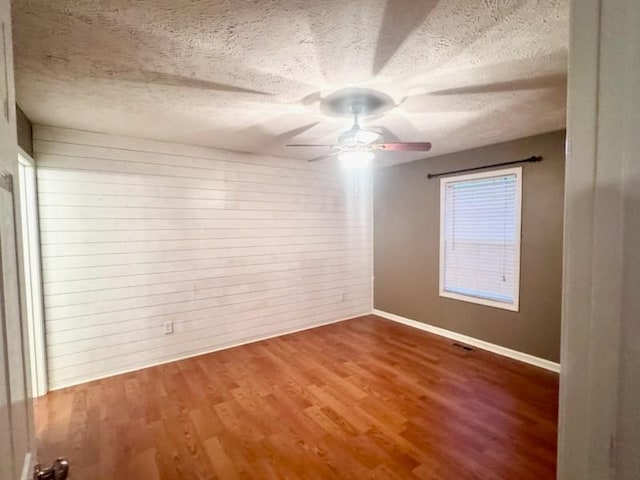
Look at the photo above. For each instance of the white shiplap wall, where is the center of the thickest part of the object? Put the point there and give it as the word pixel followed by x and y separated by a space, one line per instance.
pixel 230 247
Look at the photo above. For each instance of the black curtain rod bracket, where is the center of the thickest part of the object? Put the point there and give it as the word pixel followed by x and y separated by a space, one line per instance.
pixel 535 158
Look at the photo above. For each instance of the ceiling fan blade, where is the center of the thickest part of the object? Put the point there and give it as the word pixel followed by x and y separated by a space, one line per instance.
pixel 322 157
pixel 403 147
pixel 309 145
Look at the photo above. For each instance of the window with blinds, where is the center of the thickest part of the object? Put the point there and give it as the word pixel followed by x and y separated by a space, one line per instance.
pixel 480 237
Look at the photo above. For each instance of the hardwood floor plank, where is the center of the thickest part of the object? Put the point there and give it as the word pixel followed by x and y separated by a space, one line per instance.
pixel 365 398
pixel 222 464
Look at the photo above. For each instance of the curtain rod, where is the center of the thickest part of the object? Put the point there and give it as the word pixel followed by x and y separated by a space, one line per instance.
pixel 530 159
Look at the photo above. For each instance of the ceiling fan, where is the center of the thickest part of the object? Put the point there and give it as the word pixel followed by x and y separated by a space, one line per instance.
pixel 356 146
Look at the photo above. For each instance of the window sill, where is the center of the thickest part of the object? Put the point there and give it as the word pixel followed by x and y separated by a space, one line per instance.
pixel 513 307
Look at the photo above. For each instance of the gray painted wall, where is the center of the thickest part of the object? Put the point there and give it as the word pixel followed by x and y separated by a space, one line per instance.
pixel 406 247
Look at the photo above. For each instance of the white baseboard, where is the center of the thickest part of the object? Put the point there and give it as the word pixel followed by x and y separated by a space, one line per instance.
pixel 116 372
pixel 491 347
pixel 27 469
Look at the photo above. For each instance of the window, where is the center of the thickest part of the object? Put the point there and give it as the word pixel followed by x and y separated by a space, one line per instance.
pixel 480 237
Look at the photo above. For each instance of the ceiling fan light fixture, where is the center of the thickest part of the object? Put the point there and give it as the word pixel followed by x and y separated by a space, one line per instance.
pixel 366 137
pixel 356 159
pixel 357 136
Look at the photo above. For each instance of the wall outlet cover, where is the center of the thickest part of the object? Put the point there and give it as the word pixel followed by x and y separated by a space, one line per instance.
pixel 168 328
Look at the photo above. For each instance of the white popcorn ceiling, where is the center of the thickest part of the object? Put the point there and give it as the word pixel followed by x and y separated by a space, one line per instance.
pixel 248 75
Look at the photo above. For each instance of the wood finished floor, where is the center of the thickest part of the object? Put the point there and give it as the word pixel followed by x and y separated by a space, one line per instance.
pixel 366 398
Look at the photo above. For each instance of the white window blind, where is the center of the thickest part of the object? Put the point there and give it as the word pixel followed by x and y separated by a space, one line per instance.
pixel 480 237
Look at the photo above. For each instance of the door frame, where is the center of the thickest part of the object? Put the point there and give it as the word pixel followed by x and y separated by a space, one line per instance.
pixel 599 424
pixel 32 280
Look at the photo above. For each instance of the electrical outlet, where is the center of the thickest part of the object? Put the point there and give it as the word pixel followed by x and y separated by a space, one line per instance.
pixel 168 328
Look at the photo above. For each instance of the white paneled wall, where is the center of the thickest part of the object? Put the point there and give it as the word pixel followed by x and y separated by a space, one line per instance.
pixel 229 247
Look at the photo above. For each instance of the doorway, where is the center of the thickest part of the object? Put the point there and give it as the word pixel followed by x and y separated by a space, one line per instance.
pixel 32 273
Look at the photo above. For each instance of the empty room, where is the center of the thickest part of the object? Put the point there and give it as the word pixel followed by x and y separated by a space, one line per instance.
pixel 316 239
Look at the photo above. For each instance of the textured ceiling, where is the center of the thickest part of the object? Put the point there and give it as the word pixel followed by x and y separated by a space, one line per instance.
pixel 249 75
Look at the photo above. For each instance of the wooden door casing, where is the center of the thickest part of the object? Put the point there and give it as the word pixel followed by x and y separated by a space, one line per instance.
pixel 15 406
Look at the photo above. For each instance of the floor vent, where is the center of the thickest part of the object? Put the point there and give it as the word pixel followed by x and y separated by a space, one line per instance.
pixel 464 347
